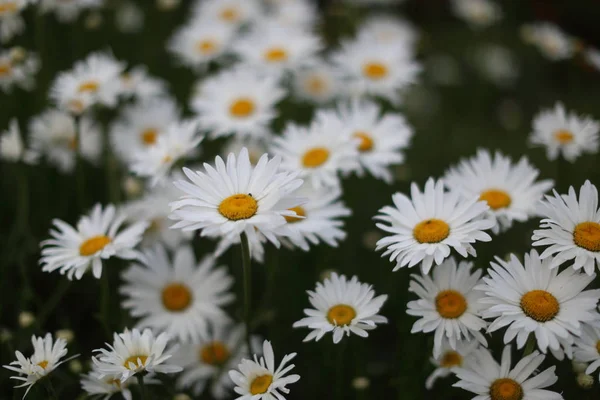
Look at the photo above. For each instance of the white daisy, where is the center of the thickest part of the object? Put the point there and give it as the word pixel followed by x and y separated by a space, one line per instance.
pixel 139 84
pixel 54 135
pixel 532 298
pixel 68 11
pixel 93 80
pixel 318 83
pixel 390 29
pixel 232 198
pixel 237 101
pixel 565 133
pixel 11 22
pixel 259 380
pixel 234 13
pixel 12 148
pixel 342 306
pixel 45 358
pixel 135 352
pixel 592 56
pixel 587 348
pixel 510 190
pixel 427 226
pixel 492 381
pixel 141 124
pixel 497 64
pixel 300 14
pixel 449 359
pixel 318 152
pixel 552 42
pixel 381 137
pixel 448 304
pixel 17 68
pixel 571 228
pixel 477 13
pixel 107 385
pixel 178 296
pixel 97 237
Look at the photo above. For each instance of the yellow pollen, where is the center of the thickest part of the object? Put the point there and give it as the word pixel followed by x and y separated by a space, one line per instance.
pixel 93 245
pixel 238 206
pixel 431 231
pixel 214 353
pixel 316 85
pixel 72 143
pixel 167 159
pixel 176 297
pixel 506 389
pixel 375 70
pixel 149 136
pixel 116 382
pixel 134 360
pixel 5 70
pixel 495 198
pixel 242 108
pixel 450 304
pixel 43 364
pixel 299 210
pixel 451 359
pixel 261 384
pixel 9 7
pixel 341 314
pixel 76 106
pixel 206 47
pixel 540 305
pixel 229 15
pixel 315 157
pixel 564 136
pixel 366 142
pixel 587 235
pixel 89 86
pixel 276 54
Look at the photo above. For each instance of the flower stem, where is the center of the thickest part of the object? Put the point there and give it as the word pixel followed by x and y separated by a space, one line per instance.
pixel 50 389
pixel 339 370
pixel 143 393
pixel 246 266
pixel 530 345
pixel 79 172
pixel 104 302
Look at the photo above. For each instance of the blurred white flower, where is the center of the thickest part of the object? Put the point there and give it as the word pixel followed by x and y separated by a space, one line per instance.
pixel 129 17
pixel 498 64
pixel 68 11
pixel 11 22
pixel 552 42
pixel 389 29
pixel 234 13
pixel 17 69
pixel 12 148
pixel 449 359
pixel 139 84
pixel 477 13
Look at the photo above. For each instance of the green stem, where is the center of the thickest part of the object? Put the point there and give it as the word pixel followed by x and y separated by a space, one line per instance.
pixel 104 302
pixel 143 393
pixel 530 345
pixel 339 369
pixel 246 266
pixel 112 173
pixel 79 172
pixel 53 301
pixel 50 389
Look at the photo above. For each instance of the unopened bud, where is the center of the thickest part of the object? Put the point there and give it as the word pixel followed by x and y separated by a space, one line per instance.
pixel 26 319
pixel 585 381
pixel 361 382
pixel 65 334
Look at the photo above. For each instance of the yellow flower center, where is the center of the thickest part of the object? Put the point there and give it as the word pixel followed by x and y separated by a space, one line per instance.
pixel 229 14
pixel 238 206
pixel 93 245
pixel 375 70
pixel 316 85
pixel 72 143
pixel 496 199
pixel 587 235
pixel 149 136
pixel 43 364
pixel 450 304
pixel 540 305
pixel 260 384
pixel 299 210
pixel 90 86
pixel 135 362
pixel 276 54
pixel 451 359
pixel 176 297
pixel 8 7
pixel 242 108
pixel 214 353
pixel 564 136
pixel 506 389
pixel 315 157
pixel 76 106
pixel 366 142
pixel 5 69
pixel 431 231
pixel 206 46
pixel 115 382
pixel 341 314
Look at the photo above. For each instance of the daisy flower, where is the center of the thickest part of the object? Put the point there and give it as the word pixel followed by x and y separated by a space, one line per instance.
pixel 318 83
pixel 11 22
pixel 137 83
pixel 448 304
pixel 342 306
pixel 236 197
pixel 565 133
pixel 586 348
pixel 389 29
pixel 532 298
pixel 427 226
pixel 381 137
pixel 237 101
pixel 54 135
pixel 178 296
pixel 477 13
pixel 592 57
pixel 141 124
pixel 45 359
pixel 298 14
pixel 17 68
pixel 12 148
pixel 233 13
pixel 107 385
pixel 68 11
pixel 93 80
pixel 98 236
pixel 319 153
pixel 134 352
pixel 492 381
pixel 571 228
pixel 552 42
pixel 449 359
pixel 258 379
pixel 510 190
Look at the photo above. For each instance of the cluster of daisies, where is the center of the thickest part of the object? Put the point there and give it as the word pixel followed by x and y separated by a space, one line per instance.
pixel 274 188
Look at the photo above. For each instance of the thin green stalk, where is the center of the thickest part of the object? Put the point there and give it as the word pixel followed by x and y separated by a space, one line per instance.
pixel 246 266
pixel 339 370
pixel 52 302
pixel 104 302
pixel 50 389
pixel 79 172
pixel 143 392
pixel 530 345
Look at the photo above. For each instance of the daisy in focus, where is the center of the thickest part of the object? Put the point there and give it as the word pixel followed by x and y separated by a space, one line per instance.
pixel 17 69
pixel 448 305
pixel 427 226
pixel 477 13
pixel 318 83
pixel 449 359
pixel 532 298
pixel 570 228
pixel 233 13
pixel 510 190
pixel 180 296
pixel 492 381
pixel 586 348
pixel 97 236
pixel 342 306
pixel 45 359
pixel 236 197
pixel 68 11
pixel 12 148
pixel 258 379
pixel 11 22
pixel 565 133
pixel 134 352
pixel 550 40
pixel 238 101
